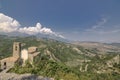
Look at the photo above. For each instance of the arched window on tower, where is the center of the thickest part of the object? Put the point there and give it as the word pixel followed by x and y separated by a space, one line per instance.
pixel 16 48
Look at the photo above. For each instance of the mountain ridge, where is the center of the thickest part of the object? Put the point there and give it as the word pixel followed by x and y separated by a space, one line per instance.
pixel 76 57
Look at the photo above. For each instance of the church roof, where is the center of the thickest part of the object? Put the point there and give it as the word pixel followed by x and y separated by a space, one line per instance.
pixel 35 54
pixel 10 59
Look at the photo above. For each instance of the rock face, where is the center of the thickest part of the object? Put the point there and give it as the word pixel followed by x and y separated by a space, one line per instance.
pixel 116 60
pixel 13 76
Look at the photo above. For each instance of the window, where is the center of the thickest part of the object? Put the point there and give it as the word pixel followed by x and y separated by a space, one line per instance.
pixel 4 63
pixel 16 48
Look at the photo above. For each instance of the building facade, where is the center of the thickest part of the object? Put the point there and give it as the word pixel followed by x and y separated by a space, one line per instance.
pixel 19 56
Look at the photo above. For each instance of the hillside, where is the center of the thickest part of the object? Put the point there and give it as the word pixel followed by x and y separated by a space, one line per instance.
pixel 102 47
pixel 115 44
pixel 78 60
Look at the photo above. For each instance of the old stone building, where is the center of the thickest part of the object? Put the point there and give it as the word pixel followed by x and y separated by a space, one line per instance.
pixel 32 53
pixel 29 54
pixel 19 56
pixel 9 62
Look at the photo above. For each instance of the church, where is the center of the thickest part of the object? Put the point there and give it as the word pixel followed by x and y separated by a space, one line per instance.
pixel 19 56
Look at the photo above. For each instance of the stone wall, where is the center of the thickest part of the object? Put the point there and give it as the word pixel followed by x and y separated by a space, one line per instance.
pixel 32 49
pixel 8 62
pixel 16 49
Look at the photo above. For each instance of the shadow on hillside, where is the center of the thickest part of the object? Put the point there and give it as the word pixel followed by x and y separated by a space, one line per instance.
pixel 34 77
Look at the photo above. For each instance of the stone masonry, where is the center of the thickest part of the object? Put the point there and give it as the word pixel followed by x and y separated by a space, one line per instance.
pixel 9 62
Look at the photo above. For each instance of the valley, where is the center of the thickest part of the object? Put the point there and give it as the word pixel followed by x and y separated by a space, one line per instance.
pixel 67 61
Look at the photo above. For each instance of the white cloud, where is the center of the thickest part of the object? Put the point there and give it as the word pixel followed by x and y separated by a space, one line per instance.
pixel 102 29
pixel 99 24
pixel 8 24
pixel 103 32
pixel 36 29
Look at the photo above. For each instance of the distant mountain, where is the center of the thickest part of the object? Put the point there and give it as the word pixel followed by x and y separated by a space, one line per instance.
pixel 49 36
pixel 52 37
pixel 84 59
pixel 115 44
pixel 102 47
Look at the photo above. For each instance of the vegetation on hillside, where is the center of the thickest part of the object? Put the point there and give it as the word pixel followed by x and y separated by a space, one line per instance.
pixel 66 59
pixel 47 68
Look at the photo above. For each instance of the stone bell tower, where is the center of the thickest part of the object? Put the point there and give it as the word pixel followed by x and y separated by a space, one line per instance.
pixel 16 49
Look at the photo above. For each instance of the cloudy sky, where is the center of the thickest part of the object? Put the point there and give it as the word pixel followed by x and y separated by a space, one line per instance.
pixel 80 20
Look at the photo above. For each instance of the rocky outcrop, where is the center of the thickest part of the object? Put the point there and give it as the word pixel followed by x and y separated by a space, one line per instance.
pixel 84 69
pixel 115 60
pixel 13 76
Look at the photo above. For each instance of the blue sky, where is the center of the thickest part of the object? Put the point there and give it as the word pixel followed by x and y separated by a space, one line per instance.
pixel 82 20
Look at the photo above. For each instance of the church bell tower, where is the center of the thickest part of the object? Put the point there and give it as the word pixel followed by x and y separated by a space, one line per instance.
pixel 16 49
